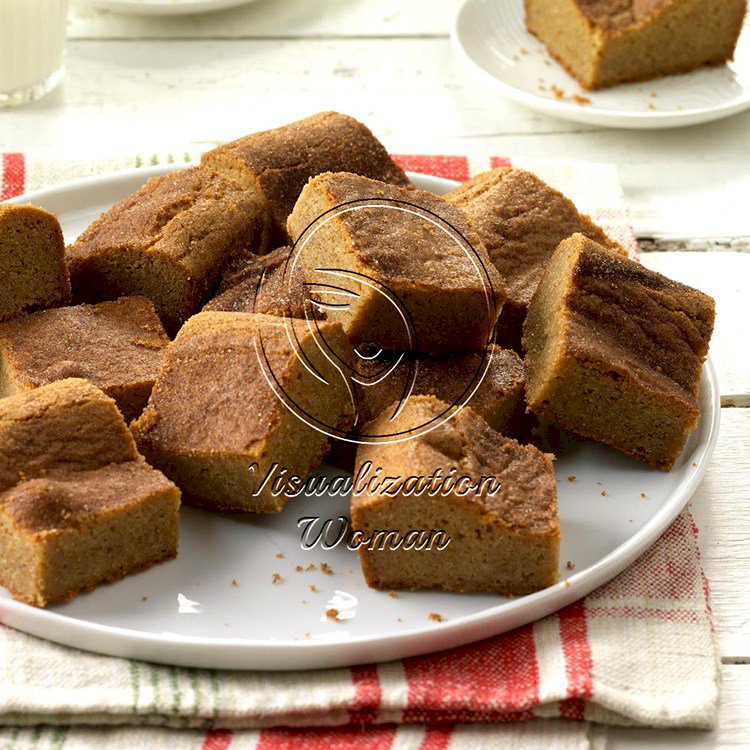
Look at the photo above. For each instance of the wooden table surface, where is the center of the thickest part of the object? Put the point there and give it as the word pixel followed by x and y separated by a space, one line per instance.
pixel 148 84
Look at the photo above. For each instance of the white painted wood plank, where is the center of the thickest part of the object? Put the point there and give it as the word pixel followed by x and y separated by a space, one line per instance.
pixel 726 277
pixel 140 96
pixel 733 730
pixel 721 507
pixel 274 18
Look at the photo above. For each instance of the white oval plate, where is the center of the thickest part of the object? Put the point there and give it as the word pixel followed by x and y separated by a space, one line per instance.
pixel 188 612
pixel 491 38
pixel 165 7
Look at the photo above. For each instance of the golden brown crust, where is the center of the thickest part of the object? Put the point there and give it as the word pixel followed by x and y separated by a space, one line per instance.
pixel 279 162
pixel 33 273
pixel 67 499
pixel 169 241
pixel 118 346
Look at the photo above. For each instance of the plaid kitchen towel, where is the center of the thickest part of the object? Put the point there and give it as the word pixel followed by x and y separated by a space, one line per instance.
pixel 639 650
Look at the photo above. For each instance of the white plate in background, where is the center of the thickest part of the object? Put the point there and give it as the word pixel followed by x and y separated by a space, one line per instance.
pixel 165 7
pixel 490 36
pixel 188 611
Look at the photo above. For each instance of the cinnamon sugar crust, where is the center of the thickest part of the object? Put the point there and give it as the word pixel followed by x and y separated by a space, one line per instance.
pixel 118 346
pixel 168 241
pixel 505 542
pixel 258 284
pixel 278 163
pixel 372 243
pixel 615 351
pixel 520 220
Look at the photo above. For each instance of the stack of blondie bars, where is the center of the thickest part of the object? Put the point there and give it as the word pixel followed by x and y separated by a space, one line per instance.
pixel 294 299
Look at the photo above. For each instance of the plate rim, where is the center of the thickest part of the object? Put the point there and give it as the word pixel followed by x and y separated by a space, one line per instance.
pixel 164 7
pixel 190 651
pixel 591 115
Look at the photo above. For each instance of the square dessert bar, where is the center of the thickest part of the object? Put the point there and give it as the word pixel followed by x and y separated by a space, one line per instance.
pixel 413 274
pixel 259 284
pixel 33 273
pixel 118 346
pixel 216 426
pixel 614 351
pixel 78 505
pixel 277 163
pixel 169 241
pixel 521 221
pixel 504 538
pixel 605 42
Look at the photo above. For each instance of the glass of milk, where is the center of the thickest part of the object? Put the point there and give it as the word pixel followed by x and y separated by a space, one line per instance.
pixel 32 40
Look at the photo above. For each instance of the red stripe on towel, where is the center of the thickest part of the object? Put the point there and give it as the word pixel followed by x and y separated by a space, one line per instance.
pixel 337 738
pixel 578 661
pixel 14 176
pixel 367 695
pixel 217 739
pixel 499 161
pixel 450 167
pixel 493 680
